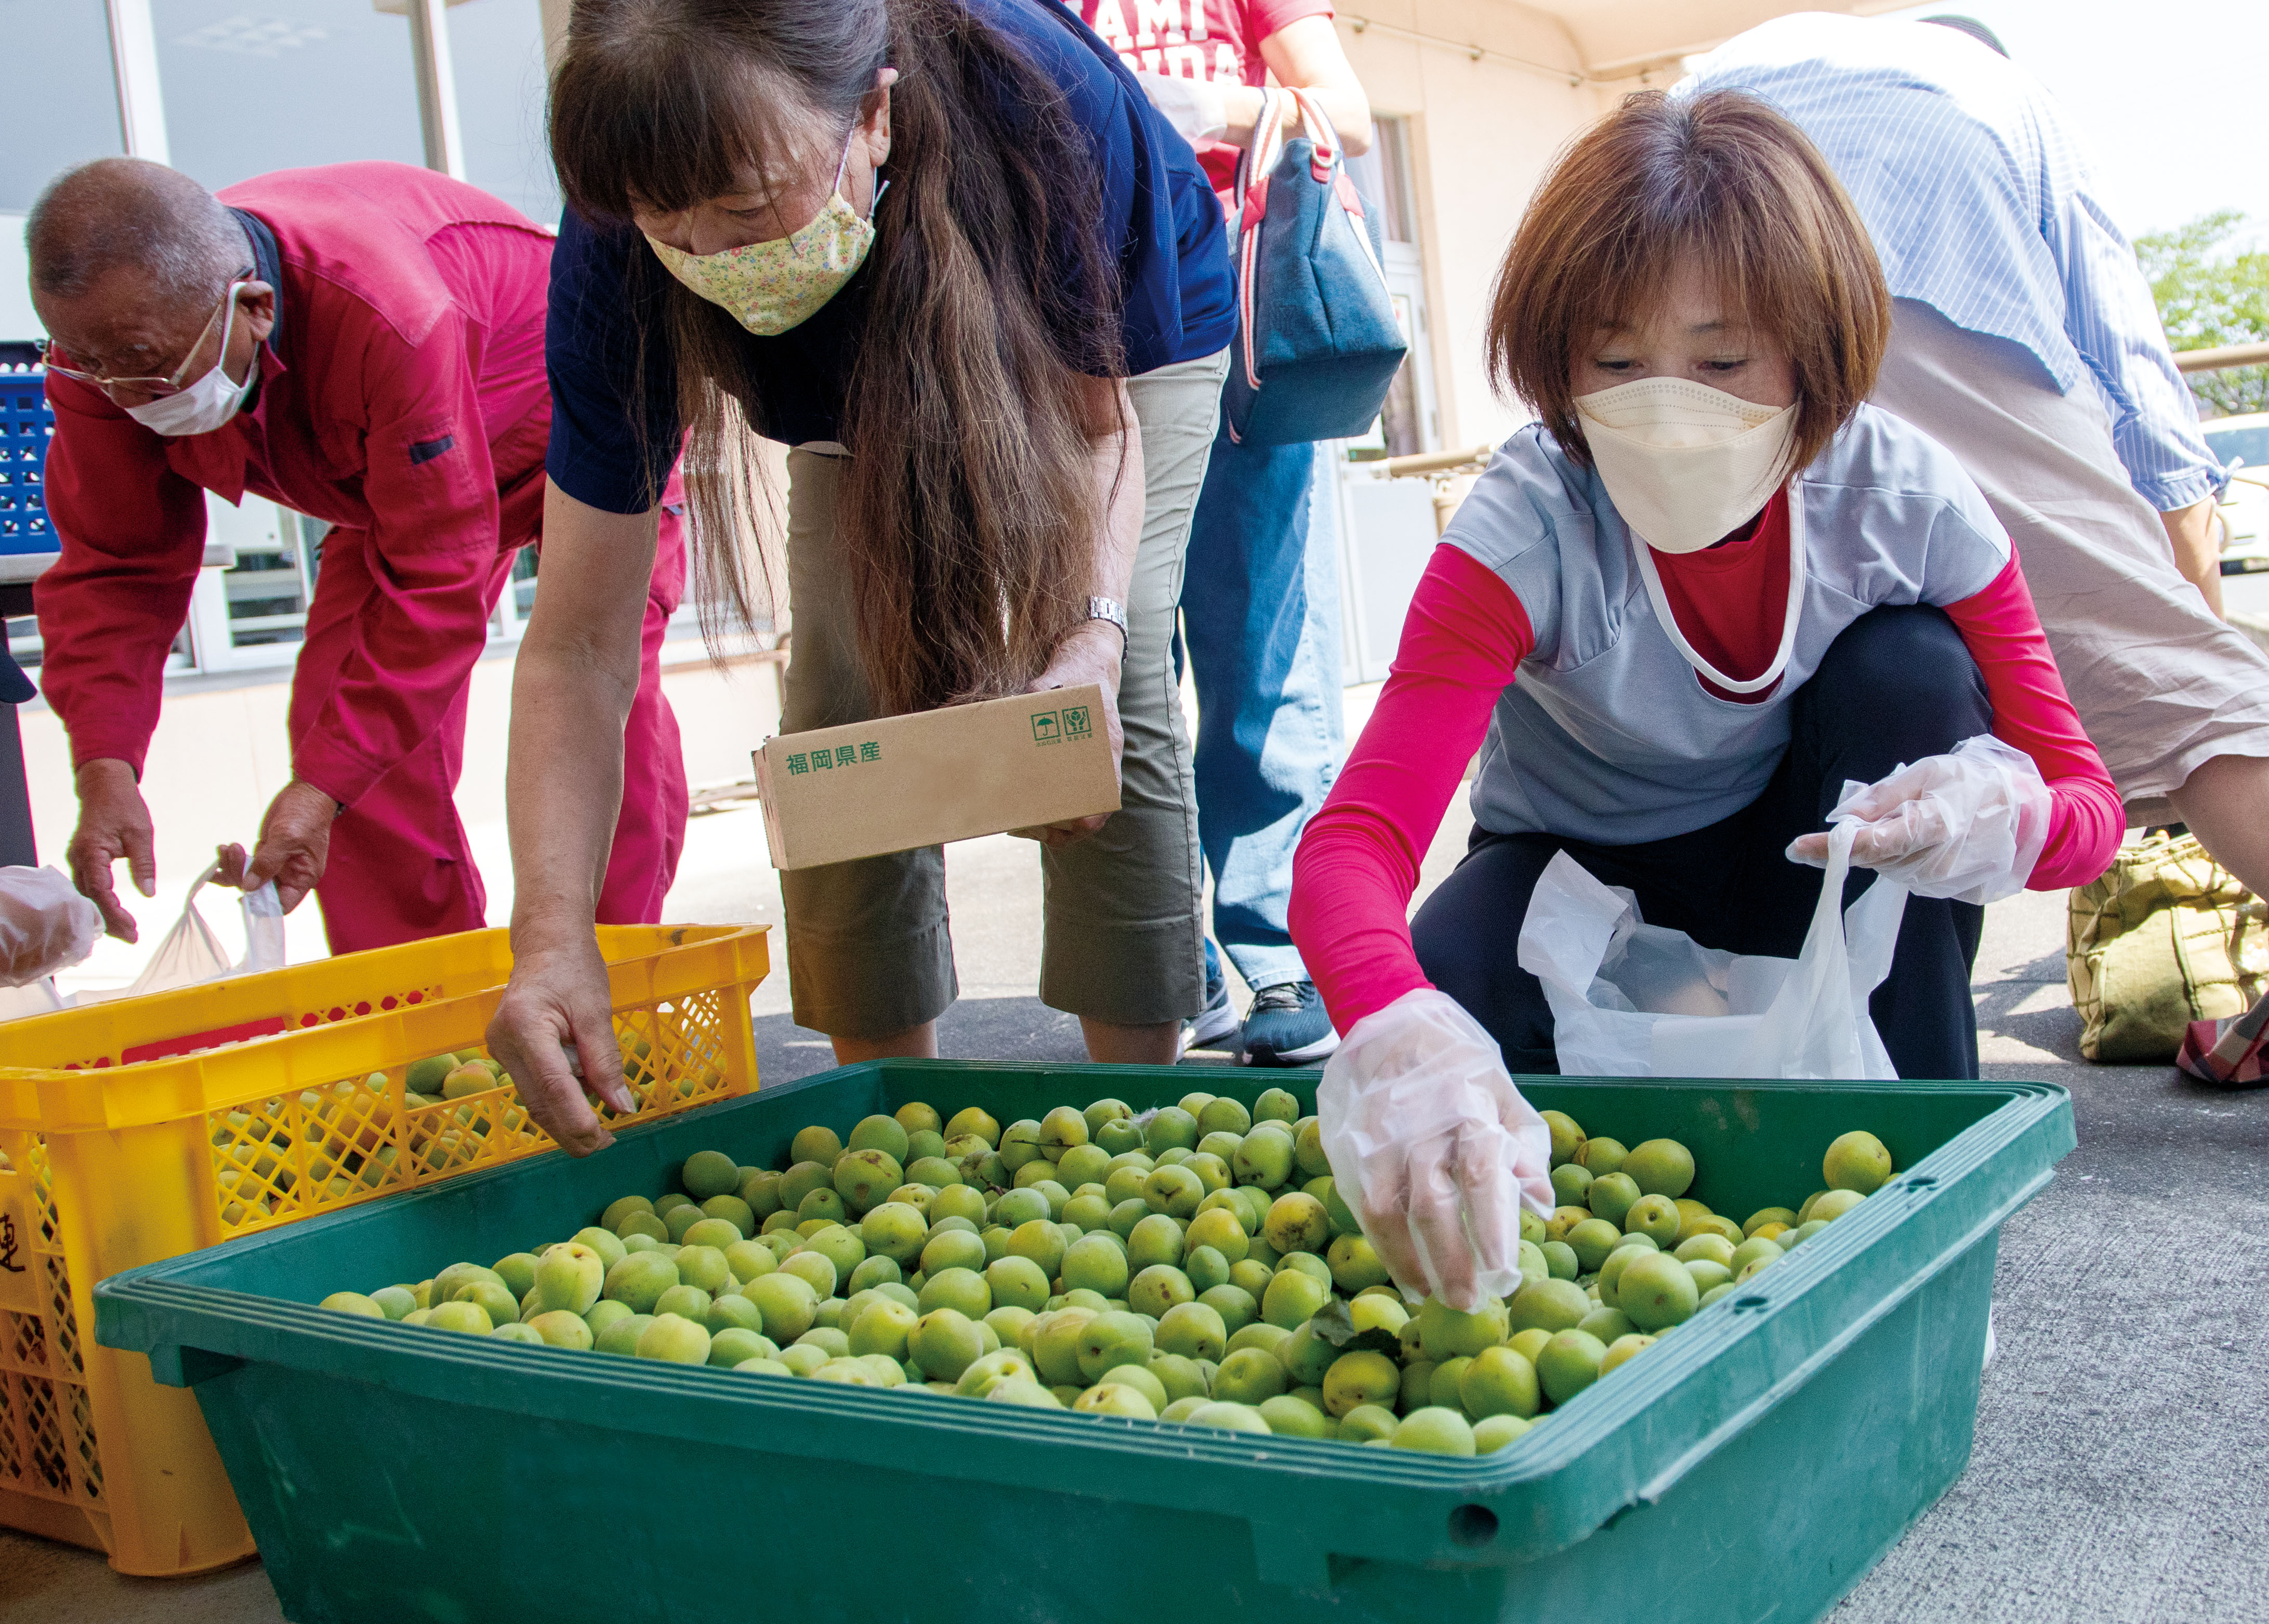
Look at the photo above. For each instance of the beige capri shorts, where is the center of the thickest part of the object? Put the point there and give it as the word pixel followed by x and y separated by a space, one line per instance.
pixel 2161 684
pixel 869 948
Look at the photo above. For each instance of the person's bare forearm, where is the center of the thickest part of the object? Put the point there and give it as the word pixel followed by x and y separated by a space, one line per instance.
pixel 572 687
pixel 1349 110
pixel 2194 533
pixel 1119 477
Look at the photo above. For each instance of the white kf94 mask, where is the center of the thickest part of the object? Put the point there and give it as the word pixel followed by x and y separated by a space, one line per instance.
pixel 1685 464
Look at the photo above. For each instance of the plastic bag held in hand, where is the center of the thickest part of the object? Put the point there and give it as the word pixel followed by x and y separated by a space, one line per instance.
pixel 191 953
pixel 1433 1147
pixel 1969 826
pixel 45 924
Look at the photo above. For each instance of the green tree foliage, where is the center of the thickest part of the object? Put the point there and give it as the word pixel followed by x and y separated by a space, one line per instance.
pixel 2213 291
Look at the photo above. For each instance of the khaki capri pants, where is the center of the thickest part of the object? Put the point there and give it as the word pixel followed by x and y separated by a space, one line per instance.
pixel 2162 685
pixel 869 946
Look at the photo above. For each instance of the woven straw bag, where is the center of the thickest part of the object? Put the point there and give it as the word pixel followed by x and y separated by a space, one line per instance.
pixel 2167 936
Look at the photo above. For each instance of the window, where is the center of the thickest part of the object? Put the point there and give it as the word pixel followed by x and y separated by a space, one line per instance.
pixel 1407 422
pixel 252 85
pixel 59 59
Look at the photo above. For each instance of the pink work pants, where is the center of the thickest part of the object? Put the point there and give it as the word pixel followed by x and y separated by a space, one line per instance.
pixel 400 866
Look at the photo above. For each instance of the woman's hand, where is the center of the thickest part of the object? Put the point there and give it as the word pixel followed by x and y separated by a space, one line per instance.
pixel 1092 655
pixel 1433 1149
pixel 554 1032
pixel 1968 825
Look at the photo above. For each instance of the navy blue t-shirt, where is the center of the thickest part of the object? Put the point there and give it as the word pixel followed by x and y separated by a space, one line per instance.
pixel 1179 302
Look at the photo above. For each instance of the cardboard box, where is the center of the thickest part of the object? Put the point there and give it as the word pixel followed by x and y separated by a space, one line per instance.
pixel 836 793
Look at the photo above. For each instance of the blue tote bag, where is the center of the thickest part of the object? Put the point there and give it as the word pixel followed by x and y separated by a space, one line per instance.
pixel 1317 342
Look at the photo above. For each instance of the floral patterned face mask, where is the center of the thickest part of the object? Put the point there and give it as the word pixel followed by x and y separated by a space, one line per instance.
pixel 769 287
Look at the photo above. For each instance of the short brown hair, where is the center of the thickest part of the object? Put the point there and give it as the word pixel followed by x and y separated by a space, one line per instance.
pixel 1720 176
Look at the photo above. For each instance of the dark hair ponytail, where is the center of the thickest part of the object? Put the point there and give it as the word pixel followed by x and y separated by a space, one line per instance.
pixel 971 523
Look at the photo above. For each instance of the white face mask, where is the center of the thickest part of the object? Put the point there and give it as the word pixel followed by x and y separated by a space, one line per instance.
pixel 208 403
pixel 1685 464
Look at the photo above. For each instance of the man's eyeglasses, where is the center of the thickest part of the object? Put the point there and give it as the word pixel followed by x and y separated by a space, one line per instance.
pixel 174 383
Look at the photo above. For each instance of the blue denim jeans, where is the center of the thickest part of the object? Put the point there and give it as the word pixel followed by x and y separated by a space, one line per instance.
pixel 1260 617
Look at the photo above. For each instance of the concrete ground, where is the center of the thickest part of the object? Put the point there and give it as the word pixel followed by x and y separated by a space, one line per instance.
pixel 2118 1468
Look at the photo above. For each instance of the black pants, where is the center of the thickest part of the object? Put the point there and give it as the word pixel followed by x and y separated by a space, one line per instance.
pixel 1896 686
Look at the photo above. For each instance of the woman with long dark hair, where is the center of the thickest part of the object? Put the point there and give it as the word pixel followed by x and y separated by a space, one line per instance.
pixel 946 252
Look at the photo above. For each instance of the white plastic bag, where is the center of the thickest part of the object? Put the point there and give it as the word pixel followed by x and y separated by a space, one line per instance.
pixel 1632 999
pixel 191 953
pixel 45 926
pixel 1434 1149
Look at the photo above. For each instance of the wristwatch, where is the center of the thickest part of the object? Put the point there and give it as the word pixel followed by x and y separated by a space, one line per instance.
pixel 1112 610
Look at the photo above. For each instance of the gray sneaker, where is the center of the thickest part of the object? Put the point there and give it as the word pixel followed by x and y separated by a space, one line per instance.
pixel 1287 1026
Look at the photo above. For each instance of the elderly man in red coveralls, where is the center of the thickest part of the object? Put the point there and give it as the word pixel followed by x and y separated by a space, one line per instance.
pixel 363 344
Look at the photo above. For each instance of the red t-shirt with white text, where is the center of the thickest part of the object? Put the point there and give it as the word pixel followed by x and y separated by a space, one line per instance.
pixel 1216 39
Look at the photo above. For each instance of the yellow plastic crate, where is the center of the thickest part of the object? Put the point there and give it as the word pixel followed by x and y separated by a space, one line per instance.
pixel 144 1129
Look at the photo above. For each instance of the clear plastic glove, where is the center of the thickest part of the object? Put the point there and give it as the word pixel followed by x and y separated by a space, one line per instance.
pixel 1433 1149
pixel 45 924
pixel 1194 107
pixel 1969 826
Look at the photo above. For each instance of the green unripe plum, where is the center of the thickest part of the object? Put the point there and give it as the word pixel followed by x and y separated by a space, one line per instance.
pixel 1499 1382
pixel 932 1173
pixel 1656 1290
pixel 525 1335
pixel 517 1271
pixel 1105 1109
pixel 787 1302
pixel 713 1232
pixel 1265 1160
pixel 1657 1217
pixel 886 1327
pixel 1602 1156
pixel 1141 1379
pixel 1277 1105
pixel 1124 1184
pixel 1194 1329
pixel 1113 1338
pixel 801 1180
pixel 1551 1306
pixel 462 1315
pixel 815 1144
pixel 839 1245
pixel 1224 1115
pixel 621 1336
pixel 1754 1252
pixel 1020 1145
pixel 952 1249
pixel 1442 1386
pixel 803 1359
pixel 1179 1375
pixel 1249 1375
pixel 886 1134
pixel 1572 1183
pixel 1591 1240
pixel 1308 1264
pixel 1292 1299
pixel 1252 1278
pixel 729 1349
pixel 605 1312
pixel 1221 1146
pixel 1119 1137
pixel 865 1179
pixel 1833 1205
pixel 1175 1190
pixel 1560 1260
pixel 1566 1137
pixel 1612 1196
pixel 396 1301
pixel 1496 1431
pixel 665 1205
pixel 1221 1230
pixel 623 1207
pixel 1569 1364
pixel 1660 1167
pixel 1296 1222
pixel 1305 1356
pixel 1228 1417
pixel 559 1328
pixel 1156 1238
pixel 961 1290
pixel 1083 1164
pixel 1088 1211
pixel 733 1312
pixel 683 1302
pixel 814 1269
pixel 1039 1240
pixel 643 1224
pixel 1436 1431
pixel 1355 1264
pixel 1446 1333
pixel 680 1220
pixel 703 1266
pixel 729 1209
pixel 746 1260
pixel 1062 1129
pixel 945 1342
pixel 1235 1305
pixel 709 1172
pixel 1622 1349
pixel 1611 1272
pixel 1054 1347
pixel 973 1120
pixel 1206 1268
pixel 1096 1263
pixel 1360 1378
pixel 1115 1399
pixel 894 1230
pixel 918 1117
pixel 353 1303
pixel 1708 1276
pixel 760 1188
pixel 1607 1324
pixel 1705 1248
pixel 1308 1150
pixel 1157 1289
pixel 1367 1423
pixel 821 1207
pixel 1172 1129
pixel 1212 1171
pixel 1017 1282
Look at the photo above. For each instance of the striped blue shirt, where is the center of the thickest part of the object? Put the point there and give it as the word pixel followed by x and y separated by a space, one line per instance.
pixel 1977 192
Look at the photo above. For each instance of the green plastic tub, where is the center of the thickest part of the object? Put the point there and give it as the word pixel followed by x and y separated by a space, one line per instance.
pixel 1752 1467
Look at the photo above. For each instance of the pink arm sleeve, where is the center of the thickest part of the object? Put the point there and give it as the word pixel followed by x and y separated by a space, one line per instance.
pixel 2033 713
pixel 1357 865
